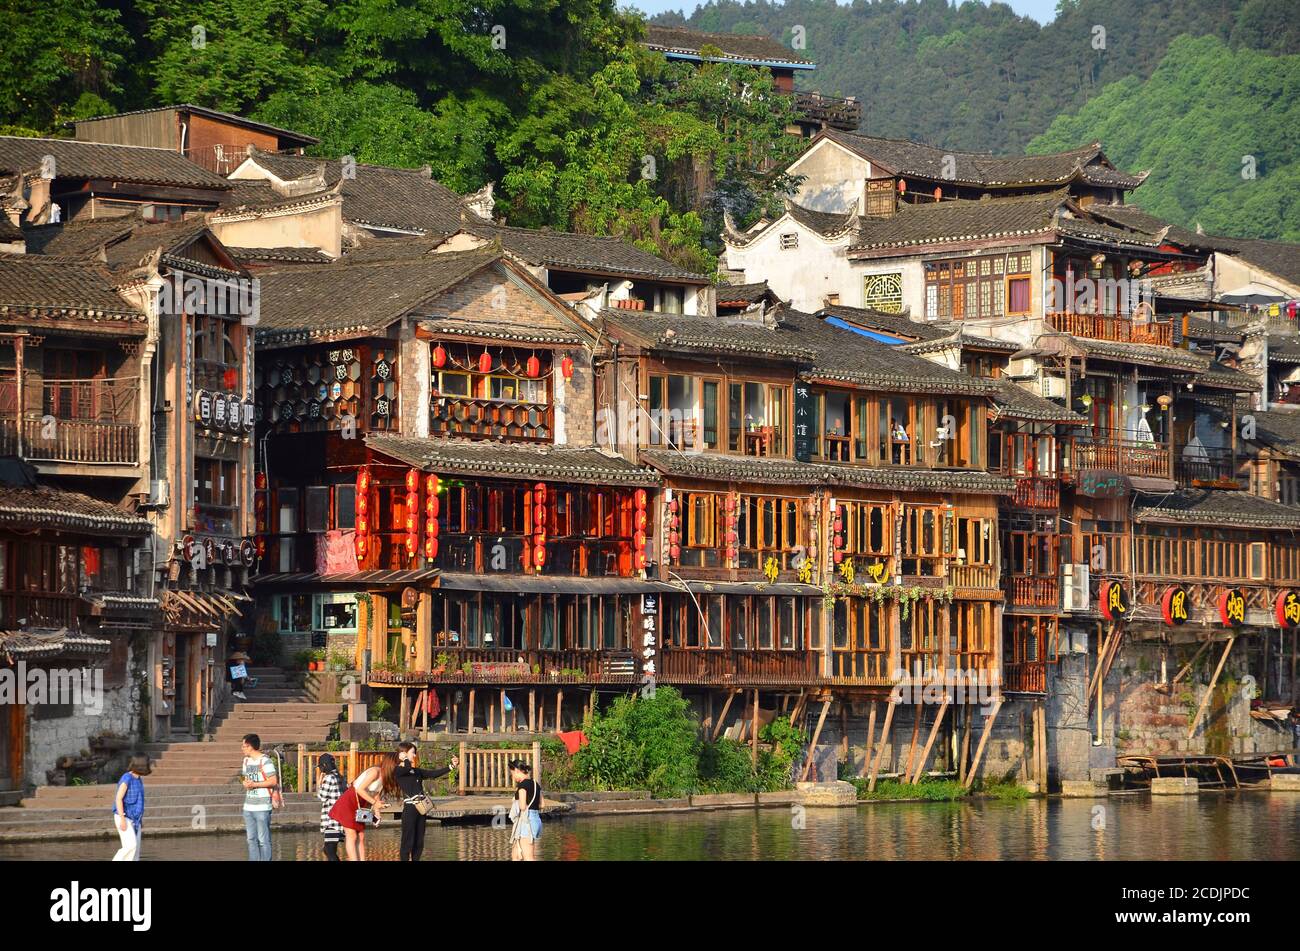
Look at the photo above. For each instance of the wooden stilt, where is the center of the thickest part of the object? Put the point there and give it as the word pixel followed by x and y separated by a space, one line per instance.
pixel 532 711
pixel 492 717
pixel 402 711
pixel 984 739
pixel 753 730
pixel 812 747
pixel 1205 700
pixel 722 718
pixel 968 715
pixel 934 732
pixel 1188 666
pixel 916 734
pixel 708 712
pixel 890 707
pixel 1295 685
pixel 559 712
pixel 470 726
pixel 871 740
pixel 844 729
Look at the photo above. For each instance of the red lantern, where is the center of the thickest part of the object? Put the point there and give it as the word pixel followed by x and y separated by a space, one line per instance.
pixel 359 540
pixel 431 548
pixel 363 525
pixel 412 480
pixel 533 367
pixel 259 543
pixel 485 362
pixel 431 506
pixel 566 367
pixel 641 560
pixel 640 521
pixel 638 540
pixel 431 485
pixel 639 498
pixel 938 193
pixel 676 552
pixel 539 556
pixel 411 546
pixel 539 491
pixel 439 356
pixel 259 481
pixel 902 186
pixel 839 556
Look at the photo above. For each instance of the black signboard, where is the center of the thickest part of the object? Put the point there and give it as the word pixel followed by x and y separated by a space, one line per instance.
pixel 319 639
pixel 805 422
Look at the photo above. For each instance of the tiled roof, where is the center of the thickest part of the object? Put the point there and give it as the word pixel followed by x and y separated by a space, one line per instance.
pixel 1086 230
pixel 772 471
pixel 1279 431
pixel 37 645
pixel 742 293
pixel 45 507
pixel 119 163
pixel 675 39
pixel 1283 348
pixel 1221 377
pixel 594 254
pixel 1215 507
pixel 1198 328
pixel 1145 354
pixel 580 464
pixel 844 356
pixel 1279 258
pixel 825 223
pixel 1015 402
pixel 903 158
pixel 280 255
pixel 962 338
pixel 8 230
pixel 61 289
pixel 301 302
pixel 377 195
pixel 962 220
pixel 505 330
pixel 687 333
pixel 895 325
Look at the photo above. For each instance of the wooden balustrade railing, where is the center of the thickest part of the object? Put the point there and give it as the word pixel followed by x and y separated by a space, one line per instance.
pixel 704 666
pixel 1037 492
pixel 838 113
pixel 1025 678
pixel 21 609
pixel 973 576
pixel 1135 457
pixel 466 417
pixel 507 666
pixel 488 770
pixel 1211 466
pixel 1033 592
pixel 868 668
pixel 1114 327
pixel 351 762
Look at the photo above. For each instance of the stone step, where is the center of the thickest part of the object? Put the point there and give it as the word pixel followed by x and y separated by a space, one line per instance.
pixel 232 810
pixel 230 794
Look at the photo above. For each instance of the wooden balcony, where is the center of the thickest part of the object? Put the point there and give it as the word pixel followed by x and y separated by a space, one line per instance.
pixel 1037 492
pixel 1209 468
pixel 845 114
pixel 474 665
pixel 1132 457
pixel 1114 327
pixel 71 420
pixel 741 667
pixel 72 440
pixel 861 668
pixel 1025 592
pixel 974 576
pixel 491 419
pixel 39 609
pixel 1025 678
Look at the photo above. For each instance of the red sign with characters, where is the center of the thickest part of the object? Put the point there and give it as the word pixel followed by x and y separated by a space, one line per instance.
pixel 1232 607
pixel 1175 606
pixel 1114 601
pixel 1286 609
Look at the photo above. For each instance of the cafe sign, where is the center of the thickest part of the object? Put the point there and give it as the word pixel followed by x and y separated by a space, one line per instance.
pixel 1114 601
pixel 1232 607
pixel 1175 606
pixel 1286 609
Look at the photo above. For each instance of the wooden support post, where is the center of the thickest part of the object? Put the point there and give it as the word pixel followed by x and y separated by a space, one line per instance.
pixel 302 767
pixel 871 740
pixel 1295 685
pixel 934 732
pixel 469 727
pixel 559 711
pixel 722 718
pixel 890 707
pixel 532 710
pixel 844 729
pixel 402 711
pixel 798 707
pixel 708 713
pixel 916 734
pixel 812 747
pixel 984 739
pixel 492 717
pixel 968 715
pixel 462 771
pixel 424 713
pixel 1188 666
pixel 1205 700
pixel 501 703
pixel 354 749
pixel 753 740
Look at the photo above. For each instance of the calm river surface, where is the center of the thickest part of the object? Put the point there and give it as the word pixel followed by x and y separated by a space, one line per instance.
pixel 1239 826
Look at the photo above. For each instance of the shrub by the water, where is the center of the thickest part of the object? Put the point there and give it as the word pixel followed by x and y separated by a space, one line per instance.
pixel 642 743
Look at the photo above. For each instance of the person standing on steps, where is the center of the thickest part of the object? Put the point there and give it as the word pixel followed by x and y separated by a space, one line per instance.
pixel 238 664
pixel 128 808
pixel 261 783
pixel 411 780
pixel 328 791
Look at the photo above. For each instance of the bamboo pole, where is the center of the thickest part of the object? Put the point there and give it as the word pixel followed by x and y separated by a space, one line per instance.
pixel 984 739
pixel 812 747
pixel 934 732
pixel 890 707
pixel 753 740
pixel 916 734
pixel 722 717
pixel 1188 666
pixel 1200 711
pixel 871 740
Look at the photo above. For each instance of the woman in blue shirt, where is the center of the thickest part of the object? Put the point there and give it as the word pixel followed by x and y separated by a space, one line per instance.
pixel 128 809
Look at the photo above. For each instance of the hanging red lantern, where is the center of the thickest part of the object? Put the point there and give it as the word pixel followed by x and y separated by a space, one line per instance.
pixel 259 481
pixel 676 552
pixel 439 356
pixel 638 540
pixel 431 548
pixel 641 560
pixel 539 556
pixel 359 540
pixel 412 545
pixel 639 498
pixel 412 480
pixel 902 186
pixel 533 367
pixel 431 506
pixel 485 362
pixel 641 521
pixel 431 485
pixel 566 367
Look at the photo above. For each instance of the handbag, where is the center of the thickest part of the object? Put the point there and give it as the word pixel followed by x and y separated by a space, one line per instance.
pixel 420 803
pixel 277 798
pixel 364 817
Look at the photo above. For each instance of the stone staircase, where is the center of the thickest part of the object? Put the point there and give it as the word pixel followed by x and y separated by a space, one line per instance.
pixel 193 779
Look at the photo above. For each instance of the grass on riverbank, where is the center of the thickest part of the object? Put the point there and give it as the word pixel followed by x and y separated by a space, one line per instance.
pixel 936 790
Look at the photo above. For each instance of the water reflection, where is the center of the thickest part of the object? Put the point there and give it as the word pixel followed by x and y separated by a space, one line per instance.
pixel 1236 826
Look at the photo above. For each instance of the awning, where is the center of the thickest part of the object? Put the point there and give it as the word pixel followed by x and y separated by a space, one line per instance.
pixel 541 584
pixel 376 578
pixel 780 589
pixel 198 608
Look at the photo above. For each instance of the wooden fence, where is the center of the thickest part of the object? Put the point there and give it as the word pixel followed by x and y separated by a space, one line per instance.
pixel 488 770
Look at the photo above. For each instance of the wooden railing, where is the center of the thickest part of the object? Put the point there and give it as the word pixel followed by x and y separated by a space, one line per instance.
pixel 72 440
pixel 79 420
pixel 1126 456
pixel 1114 327
pixel 866 668
pixel 38 610
pixel 469 665
pixel 1025 678
pixel 1215 467
pixel 974 576
pixel 837 113
pixel 1023 592
pixel 487 770
pixel 351 762
pixel 703 666
pixel 1037 492
pixel 470 418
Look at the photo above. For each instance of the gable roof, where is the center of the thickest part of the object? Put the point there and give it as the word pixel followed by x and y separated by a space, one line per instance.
pixel 31 285
pixel 915 225
pixel 580 464
pixel 124 243
pixel 1278 431
pixel 305 302
pixel 45 507
pixel 737 47
pixel 120 163
pixel 226 117
pixel 1013 401
pixel 895 325
pixel 904 158
pixel 693 334
pixel 594 254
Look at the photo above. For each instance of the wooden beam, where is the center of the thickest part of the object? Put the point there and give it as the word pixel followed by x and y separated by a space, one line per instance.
pixel 916 735
pixel 871 740
pixel 1205 700
pixel 469 727
pixel 812 747
pixel 984 739
pixel 967 717
pixel 798 706
pixel 934 732
pixel 1188 666
pixel 753 740
pixel 722 717
pixel 890 707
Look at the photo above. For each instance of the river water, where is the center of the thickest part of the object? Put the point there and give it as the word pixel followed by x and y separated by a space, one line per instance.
pixel 1233 826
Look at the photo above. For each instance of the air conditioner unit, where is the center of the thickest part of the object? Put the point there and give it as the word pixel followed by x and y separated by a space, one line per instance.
pixel 1074 587
pixel 159 492
pixel 1052 387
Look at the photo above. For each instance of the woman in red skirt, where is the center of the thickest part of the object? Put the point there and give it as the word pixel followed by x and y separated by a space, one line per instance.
pixel 371 790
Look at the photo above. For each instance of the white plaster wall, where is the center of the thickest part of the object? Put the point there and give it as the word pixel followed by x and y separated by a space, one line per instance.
pixel 804 275
pixel 833 178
